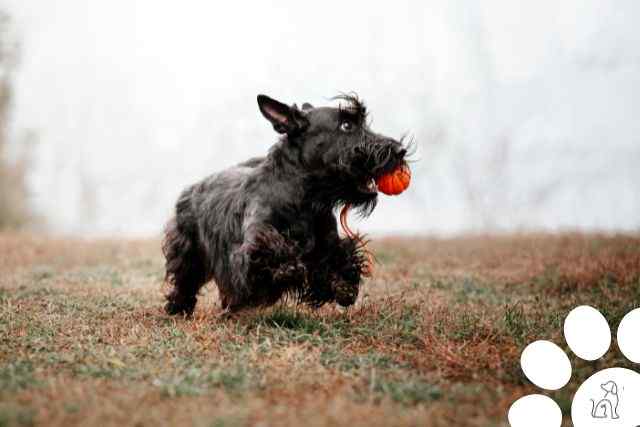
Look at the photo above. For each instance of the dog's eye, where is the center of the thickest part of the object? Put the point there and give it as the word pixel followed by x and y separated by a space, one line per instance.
pixel 346 126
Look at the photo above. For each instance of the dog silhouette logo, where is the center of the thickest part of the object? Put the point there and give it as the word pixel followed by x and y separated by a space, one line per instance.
pixel 604 398
pixel 607 407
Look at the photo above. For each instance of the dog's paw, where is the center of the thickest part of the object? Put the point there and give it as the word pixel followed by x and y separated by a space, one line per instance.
pixel 352 261
pixel 346 294
pixel 175 307
pixel 291 274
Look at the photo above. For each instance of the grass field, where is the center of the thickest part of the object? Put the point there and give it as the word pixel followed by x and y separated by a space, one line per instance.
pixel 434 340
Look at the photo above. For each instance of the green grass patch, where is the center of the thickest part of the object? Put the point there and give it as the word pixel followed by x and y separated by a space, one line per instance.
pixel 17 375
pixel 16 415
pixel 336 359
pixel 407 392
pixel 196 381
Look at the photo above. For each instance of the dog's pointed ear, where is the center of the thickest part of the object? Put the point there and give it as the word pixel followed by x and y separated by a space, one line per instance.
pixel 306 106
pixel 284 119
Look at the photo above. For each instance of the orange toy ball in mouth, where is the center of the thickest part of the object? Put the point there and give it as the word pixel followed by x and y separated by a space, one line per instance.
pixel 396 181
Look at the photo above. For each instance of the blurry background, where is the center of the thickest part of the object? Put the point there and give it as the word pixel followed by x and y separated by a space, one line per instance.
pixel 525 113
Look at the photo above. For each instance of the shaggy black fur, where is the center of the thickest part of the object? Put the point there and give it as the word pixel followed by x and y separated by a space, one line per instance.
pixel 266 227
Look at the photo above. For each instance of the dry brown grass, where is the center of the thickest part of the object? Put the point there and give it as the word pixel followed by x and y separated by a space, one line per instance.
pixel 434 339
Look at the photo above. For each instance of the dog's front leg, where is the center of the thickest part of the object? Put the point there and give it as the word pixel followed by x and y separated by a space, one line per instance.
pixel 351 265
pixel 337 265
pixel 264 267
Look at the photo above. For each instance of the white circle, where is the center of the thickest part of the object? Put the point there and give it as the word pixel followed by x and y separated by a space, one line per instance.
pixel 587 332
pixel 534 410
pixel 607 398
pixel 546 365
pixel 629 335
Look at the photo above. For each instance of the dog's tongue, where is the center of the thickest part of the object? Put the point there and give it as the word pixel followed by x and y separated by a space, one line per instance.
pixel 396 181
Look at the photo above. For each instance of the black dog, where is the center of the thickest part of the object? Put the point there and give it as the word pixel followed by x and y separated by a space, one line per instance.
pixel 266 227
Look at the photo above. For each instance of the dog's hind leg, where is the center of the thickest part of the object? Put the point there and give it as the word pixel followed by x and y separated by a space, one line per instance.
pixel 185 270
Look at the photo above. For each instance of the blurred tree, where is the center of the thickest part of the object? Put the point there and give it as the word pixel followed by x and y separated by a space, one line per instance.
pixel 13 205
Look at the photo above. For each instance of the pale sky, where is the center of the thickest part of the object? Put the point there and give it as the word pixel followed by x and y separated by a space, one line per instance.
pixel 525 113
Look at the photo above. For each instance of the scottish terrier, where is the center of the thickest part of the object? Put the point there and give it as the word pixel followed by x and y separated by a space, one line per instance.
pixel 266 228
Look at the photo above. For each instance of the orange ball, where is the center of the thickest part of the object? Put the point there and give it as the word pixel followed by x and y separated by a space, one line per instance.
pixel 396 181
